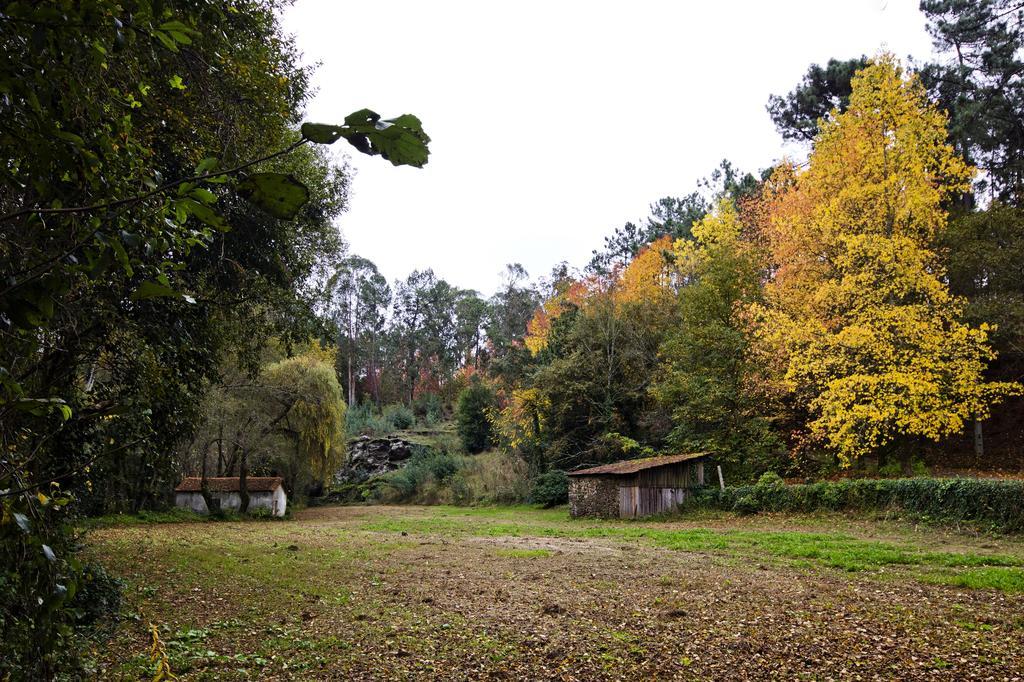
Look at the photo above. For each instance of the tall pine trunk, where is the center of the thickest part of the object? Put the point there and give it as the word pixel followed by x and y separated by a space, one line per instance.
pixel 243 483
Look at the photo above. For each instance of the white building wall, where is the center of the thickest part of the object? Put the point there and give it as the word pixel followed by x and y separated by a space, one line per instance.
pixel 276 501
pixel 280 502
pixel 193 501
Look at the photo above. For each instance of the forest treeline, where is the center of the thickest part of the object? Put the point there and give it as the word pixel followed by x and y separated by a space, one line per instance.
pixel 861 307
pixel 176 297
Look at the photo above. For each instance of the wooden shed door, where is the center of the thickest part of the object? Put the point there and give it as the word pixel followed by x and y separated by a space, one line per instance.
pixel 635 501
pixel 628 501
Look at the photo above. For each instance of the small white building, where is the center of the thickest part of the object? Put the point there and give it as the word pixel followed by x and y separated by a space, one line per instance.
pixel 264 493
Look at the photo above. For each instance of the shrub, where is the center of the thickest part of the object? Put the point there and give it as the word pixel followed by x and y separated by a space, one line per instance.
pixel 428 407
pixel 436 477
pixel 261 513
pixel 471 416
pixel 45 598
pixel 399 417
pixel 769 481
pixel 998 505
pixel 495 477
pixel 363 420
pixel 99 596
pixel 895 469
pixel 761 495
pixel 419 480
pixel 550 489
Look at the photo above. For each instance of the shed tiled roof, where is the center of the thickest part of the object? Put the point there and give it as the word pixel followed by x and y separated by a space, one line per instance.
pixel 254 484
pixel 631 466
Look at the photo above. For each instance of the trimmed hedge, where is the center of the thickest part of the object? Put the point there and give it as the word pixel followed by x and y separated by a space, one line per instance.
pixel 996 504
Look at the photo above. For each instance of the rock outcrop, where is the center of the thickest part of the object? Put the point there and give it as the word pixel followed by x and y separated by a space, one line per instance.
pixel 370 457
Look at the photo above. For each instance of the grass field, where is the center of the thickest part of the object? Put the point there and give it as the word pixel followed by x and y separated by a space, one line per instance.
pixel 518 593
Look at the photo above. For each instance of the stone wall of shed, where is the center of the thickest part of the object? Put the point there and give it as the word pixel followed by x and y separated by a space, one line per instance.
pixel 593 496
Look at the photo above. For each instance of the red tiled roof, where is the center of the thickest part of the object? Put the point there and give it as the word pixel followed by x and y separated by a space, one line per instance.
pixel 254 484
pixel 631 466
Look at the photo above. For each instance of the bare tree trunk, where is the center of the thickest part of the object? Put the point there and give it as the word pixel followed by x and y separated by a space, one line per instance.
pixel 351 351
pixel 243 482
pixel 979 442
pixel 908 449
pixel 204 488
pixel 220 450
pixel 351 384
pixel 376 373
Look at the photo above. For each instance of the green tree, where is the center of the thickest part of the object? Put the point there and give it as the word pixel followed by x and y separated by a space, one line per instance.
pixel 153 151
pixel 423 332
pixel 472 416
pixel 358 298
pixel 706 379
pixel 470 315
pixel 672 217
pixel 822 90
pixel 311 417
pixel 592 378
pixel 981 88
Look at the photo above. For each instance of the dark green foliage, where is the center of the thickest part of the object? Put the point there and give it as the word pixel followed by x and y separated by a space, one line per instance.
pixel 822 89
pixel 985 263
pixel 99 597
pixel 428 407
pixel 278 194
pixel 509 310
pixel 979 85
pixel 763 492
pixel 425 466
pixel 133 265
pixel 704 377
pixel 363 419
pixel 472 416
pixel 38 576
pixel 594 375
pixel 996 505
pixel 399 417
pixel 550 489
pixel 400 140
pixel 672 216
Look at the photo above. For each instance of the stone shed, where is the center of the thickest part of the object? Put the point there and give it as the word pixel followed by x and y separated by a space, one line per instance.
pixel 265 492
pixel 635 487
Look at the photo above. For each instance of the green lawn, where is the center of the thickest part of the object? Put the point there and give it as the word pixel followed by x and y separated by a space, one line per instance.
pixel 422 592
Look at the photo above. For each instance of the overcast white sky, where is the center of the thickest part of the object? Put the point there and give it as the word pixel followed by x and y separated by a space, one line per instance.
pixel 555 122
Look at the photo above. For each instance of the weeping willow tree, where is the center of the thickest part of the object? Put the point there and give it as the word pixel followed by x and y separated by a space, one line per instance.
pixel 310 414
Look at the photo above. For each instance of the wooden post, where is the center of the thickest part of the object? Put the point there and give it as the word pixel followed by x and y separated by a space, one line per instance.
pixel 721 481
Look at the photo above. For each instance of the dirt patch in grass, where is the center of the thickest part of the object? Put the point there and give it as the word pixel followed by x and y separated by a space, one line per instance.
pixel 493 593
pixel 508 546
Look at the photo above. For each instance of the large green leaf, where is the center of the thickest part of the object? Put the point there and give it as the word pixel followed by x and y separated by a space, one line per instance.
pixel 278 194
pixel 150 289
pixel 399 140
pixel 322 133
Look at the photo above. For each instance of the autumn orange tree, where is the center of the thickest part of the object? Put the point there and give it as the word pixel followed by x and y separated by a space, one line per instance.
pixel 875 344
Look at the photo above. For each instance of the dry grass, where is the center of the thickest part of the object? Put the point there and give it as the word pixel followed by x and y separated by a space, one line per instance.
pixel 516 593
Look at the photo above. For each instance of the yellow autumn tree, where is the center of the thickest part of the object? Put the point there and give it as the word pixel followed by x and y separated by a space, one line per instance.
pixel 518 425
pixel 876 347
pixel 539 326
pixel 650 276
